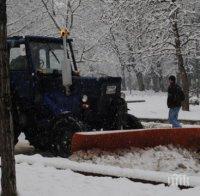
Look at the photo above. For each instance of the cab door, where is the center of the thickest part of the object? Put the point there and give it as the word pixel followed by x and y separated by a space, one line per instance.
pixel 19 72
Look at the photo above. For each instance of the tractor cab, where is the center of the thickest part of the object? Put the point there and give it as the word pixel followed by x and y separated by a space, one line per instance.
pixel 32 55
pixel 36 70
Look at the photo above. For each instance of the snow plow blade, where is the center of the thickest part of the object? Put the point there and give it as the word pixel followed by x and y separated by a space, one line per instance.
pixel 188 138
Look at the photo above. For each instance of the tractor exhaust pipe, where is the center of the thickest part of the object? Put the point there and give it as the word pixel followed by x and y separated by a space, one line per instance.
pixel 66 65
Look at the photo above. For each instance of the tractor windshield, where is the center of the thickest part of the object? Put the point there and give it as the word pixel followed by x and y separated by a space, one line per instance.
pixel 46 55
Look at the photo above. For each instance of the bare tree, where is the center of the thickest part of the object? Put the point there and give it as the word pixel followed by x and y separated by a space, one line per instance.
pixel 117 51
pixel 8 179
pixel 179 55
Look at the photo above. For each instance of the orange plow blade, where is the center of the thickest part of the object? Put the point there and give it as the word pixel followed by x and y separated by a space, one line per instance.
pixel 188 138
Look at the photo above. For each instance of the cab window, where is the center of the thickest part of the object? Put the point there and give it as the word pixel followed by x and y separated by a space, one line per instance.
pixel 18 60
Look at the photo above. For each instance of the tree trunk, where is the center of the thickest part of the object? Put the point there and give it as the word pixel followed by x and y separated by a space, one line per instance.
pixel 8 179
pixel 155 82
pixel 183 73
pixel 140 81
pixel 123 78
pixel 161 83
pixel 160 77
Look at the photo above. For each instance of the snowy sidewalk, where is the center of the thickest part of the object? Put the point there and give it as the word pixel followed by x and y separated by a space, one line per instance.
pixel 155 106
pixel 107 170
pixel 37 180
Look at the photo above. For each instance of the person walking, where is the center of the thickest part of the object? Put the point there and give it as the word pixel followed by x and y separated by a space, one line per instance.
pixel 174 100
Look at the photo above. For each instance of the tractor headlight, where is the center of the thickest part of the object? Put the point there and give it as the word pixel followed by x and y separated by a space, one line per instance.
pixel 84 98
pixel 123 96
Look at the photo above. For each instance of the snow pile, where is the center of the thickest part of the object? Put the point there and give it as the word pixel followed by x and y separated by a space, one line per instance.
pixel 23 146
pixel 150 125
pixel 161 158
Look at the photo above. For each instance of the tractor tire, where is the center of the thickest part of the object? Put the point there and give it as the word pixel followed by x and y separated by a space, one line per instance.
pixel 132 122
pixel 35 140
pixel 16 125
pixel 16 135
pixel 64 130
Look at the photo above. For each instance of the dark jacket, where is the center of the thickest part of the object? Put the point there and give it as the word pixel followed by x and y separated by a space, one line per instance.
pixel 175 96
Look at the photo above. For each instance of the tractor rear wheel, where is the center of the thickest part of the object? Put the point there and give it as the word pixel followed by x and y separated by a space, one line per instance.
pixel 64 129
pixel 132 122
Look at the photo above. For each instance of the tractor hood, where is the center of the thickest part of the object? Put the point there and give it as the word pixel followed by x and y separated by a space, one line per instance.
pixel 96 86
pixel 59 103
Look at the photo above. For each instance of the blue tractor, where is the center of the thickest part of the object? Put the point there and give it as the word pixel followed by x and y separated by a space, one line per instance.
pixel 48 111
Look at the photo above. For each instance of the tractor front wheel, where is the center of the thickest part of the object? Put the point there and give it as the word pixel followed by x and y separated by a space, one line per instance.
pixel 63 130
pixel 16 125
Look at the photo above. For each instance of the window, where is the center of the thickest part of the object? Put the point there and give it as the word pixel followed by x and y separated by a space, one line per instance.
pixel 43 59
pixel 17 60
pixel 47 55
pixel 56 57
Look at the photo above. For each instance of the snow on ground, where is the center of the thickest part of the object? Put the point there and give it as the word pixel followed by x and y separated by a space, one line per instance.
pixel 161 158
pixel 150 125
pixel 37 175
pixel 155 106
pixel 39 180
